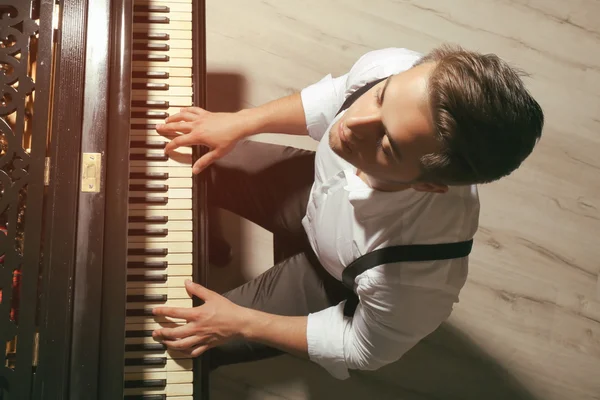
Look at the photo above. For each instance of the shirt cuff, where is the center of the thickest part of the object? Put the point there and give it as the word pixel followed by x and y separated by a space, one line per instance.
pixel 325 337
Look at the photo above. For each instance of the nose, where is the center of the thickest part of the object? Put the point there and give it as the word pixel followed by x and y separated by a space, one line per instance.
pixel 362 124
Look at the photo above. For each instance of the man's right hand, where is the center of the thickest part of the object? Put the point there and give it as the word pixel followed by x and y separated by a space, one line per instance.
pixel 217 131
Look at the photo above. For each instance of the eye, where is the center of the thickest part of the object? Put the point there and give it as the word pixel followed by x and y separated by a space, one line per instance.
pixel 385 150
pixel 378 96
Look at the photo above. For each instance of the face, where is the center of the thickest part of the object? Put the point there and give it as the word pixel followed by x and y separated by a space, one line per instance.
pixel 387 130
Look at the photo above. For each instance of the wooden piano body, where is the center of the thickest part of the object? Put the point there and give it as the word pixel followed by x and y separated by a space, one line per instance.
pixel 99 226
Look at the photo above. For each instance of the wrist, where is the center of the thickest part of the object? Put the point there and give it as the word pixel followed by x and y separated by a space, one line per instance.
pixel 252 123
pixel 252 322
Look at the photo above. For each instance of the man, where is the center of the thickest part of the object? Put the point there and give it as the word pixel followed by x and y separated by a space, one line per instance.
pixel 398 165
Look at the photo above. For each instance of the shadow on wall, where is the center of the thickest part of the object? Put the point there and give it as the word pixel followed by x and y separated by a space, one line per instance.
pixel 444 366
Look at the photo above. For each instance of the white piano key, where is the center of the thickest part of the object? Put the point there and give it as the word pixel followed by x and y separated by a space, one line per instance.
pixel 174 6
pixel 179 303
pixel 172 293
pixel 174 54
pixel 171 81
pixel 174 16
pixel 185 26
pixel 171 183
pixel 180 193
pixel 171 237
pixel 172 259
pixel 180 389
pixel 173 91
pixel 172 71
pixel 175 101
pixel 173 43
pixel 183 160
pixel 171 226
pixel 181 172
pixel 172 215
pixel 171 377
pixel 170 111
pixel 137 320
pixel 172 365
pixel 172 270
pixel 172 63
pixel 172 282
pixel 163 2
pixel 159 152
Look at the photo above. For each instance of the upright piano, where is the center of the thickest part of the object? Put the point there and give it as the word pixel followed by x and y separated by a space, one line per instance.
pixel 97 225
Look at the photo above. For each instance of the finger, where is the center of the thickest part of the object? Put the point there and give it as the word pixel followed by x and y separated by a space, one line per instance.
pixel 175 143
pixel 197 290
pixel 174 127
pixel 205 161
pixel 185 116
pixel 183 344
pixel 200 349
pixel 195 110
pixel 173 312
pixel 173 333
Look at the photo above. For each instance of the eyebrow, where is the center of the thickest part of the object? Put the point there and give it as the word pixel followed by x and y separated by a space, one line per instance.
pixel 393 144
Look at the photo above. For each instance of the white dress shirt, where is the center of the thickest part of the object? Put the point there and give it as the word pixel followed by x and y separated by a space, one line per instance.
pixel 400 303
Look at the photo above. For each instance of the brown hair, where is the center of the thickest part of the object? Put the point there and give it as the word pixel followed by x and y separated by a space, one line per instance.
pixel 486 121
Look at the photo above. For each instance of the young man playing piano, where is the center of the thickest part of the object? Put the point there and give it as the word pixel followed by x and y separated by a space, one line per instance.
pixel 404 140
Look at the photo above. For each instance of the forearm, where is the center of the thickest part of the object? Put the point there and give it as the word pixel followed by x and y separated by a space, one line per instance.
pixel 285 115
pixel 284 333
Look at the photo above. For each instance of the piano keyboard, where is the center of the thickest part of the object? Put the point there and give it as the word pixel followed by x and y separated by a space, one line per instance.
pixel 160 200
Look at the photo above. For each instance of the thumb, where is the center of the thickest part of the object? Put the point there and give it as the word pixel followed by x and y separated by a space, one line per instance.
pixel 195 289
pixel 205 161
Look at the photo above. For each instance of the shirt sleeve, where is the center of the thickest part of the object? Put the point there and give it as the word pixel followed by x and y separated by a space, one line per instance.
pixel 323 99
pixel 388 322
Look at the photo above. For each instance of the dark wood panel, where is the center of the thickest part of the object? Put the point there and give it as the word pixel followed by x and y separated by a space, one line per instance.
pixel 112 344
pixel 62 203
pixel 87 298
pixel 199 189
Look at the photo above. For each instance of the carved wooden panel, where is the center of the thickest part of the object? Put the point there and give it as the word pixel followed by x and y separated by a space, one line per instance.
pixel 23 138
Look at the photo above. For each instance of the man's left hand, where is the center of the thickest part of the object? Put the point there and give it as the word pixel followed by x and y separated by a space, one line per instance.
pixel 214 323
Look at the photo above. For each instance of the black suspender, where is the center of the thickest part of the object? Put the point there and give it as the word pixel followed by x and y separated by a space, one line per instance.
pixel 393 254
pixel 416 252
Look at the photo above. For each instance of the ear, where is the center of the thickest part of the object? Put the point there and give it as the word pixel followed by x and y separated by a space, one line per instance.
pixel 430 187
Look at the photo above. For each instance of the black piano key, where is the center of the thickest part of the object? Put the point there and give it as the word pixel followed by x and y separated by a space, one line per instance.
pixel 157 176
pixel 151 46
pixel 151 19
pixel 146 298
pixel 148 278
pixel 149 157
pixel 150 114
pixel 146 397
pixel 149 200
pixel 143 8
pixel 147 264
pixel 147 252
pixel 149 187
pixel 147 361
pixel 155 219
pixel 139 312
pixel 151 36
pixel 150 86
pixel 150 103
pixel 151 57
pixel 146 384
pixel 147 232
pixel 138 334
pixel 146 347
pixel 148 144
pixel 143 127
